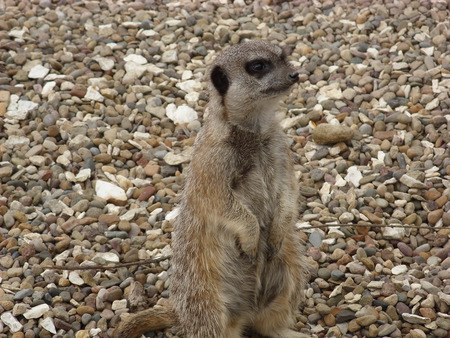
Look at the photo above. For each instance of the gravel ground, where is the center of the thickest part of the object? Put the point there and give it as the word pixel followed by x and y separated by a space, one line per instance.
pixel 100 102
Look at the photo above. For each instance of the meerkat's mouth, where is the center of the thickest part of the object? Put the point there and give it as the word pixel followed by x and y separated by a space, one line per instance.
pixel 272 91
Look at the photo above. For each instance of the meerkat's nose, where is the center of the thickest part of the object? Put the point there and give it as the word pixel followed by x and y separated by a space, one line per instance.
pixel 293 77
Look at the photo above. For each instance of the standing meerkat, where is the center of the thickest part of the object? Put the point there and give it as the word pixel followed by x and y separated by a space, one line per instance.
pixel 237 260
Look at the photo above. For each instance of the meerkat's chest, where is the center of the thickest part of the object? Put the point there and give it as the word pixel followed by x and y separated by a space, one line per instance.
pixel 261 175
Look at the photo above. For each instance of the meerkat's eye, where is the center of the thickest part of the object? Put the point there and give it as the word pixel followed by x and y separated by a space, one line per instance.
pixel 258 67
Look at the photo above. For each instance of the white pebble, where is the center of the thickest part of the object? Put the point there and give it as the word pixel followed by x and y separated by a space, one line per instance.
pixel 47 324
pixel 182 114
pixel 48 88
pixel 109 191
pixel 75 278
pixel 393 233
pixel 175 159
pixel 38 72
pixel 107 256
pixel 105 63
pixel 37 311
pixel 432 104
pixel 119 304
pixel 353 176
pixel 139 59
pixel 18 109
pixel 93 94
pixel 190 86
pixel 9 320
pixel 399 269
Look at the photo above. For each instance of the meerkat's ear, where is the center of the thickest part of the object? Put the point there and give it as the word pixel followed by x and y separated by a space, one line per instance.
pixel 286 51
pixel 220 79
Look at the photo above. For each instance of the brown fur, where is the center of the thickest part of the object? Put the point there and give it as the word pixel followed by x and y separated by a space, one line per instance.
pixel 237 260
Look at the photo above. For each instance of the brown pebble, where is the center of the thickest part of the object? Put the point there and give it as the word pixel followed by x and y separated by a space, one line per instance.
pixel 432 194
pixel 103 158
pixel 427 312
pixel 435 215
pixel 385 135
pixel 405 249
pixel 108 219
pixel 388 289
pixel 81 310
pixel 152 169
pixel 53 131
pixel 387 254
pixel 146 193
pixel 329 320
pixel 78 91
pixel 18 335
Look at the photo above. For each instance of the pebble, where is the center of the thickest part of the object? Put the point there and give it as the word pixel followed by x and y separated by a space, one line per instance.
pixel 110 192
pixel 329 134
pixel 38 72
pixel 36 311
pixel 9 320
pixel 182 114
pixel 96 133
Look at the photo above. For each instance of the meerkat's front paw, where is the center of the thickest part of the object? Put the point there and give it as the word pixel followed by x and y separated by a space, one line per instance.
pixel 274 246
pixel 250 250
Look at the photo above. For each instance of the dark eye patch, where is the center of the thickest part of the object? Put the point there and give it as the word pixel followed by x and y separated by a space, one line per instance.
pixel 220 80
pixel 258 67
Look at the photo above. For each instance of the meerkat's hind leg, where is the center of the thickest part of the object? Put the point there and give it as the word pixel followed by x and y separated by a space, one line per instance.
pixel 234 329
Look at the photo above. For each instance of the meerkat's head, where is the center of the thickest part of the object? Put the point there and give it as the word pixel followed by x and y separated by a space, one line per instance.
pixel 249 78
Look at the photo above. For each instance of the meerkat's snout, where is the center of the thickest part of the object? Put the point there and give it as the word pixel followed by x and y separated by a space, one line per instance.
pixel 294 77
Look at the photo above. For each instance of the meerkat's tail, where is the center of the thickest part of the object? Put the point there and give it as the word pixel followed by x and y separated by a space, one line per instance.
pixel 134 325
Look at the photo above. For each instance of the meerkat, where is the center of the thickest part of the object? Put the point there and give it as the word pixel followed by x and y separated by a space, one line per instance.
pixel 237 260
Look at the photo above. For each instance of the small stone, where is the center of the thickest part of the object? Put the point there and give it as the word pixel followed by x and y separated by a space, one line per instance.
pixel 324 273
pixel 366 320
pixel 105 63
pixel 9 320
pixel 119 304
pixel 443 323
pixel 38 72
pixel 402 308
pixel 78 91
pixel 327 134
pixel 415 319
pixel 428 313
pixel 81 310
pixel 393 233
pixel 110 192
pixel 345 316
pixel 93 94
pixel 315 239
pixel 182 114
pixel 6 171
pixel 106 256
pixel 48 324
pixel 405 249
pixel 176 159
pixel 337 275
pixel 75 278
pixel 139 59
pixel 435 215
pixel 386 329
pixel 399 269
pixel 37 311
pixel 385 135
pixel 152 169
pixel 170 56
pixel 412 182
pixel 353 176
